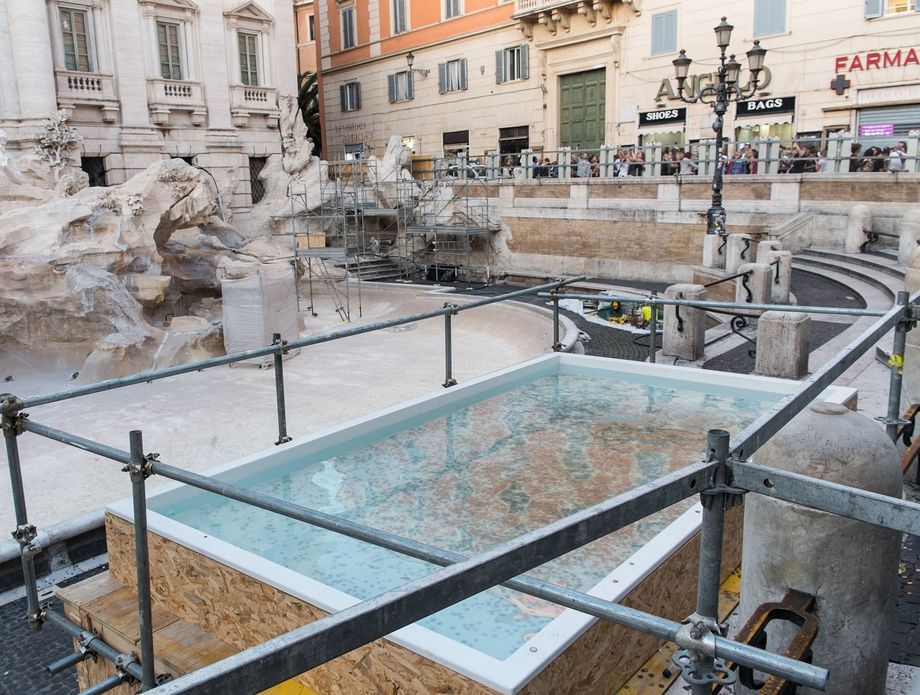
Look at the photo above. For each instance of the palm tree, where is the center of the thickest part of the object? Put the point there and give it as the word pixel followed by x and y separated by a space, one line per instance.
pixel 308 102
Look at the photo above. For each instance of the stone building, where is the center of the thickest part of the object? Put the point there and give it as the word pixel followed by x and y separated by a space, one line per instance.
pixel 305 23
pixel 148 79
pixel 502 76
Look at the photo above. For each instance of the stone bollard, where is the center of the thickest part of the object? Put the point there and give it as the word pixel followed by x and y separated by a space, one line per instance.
pixel 767 248
pixel 781 289
pixel 738 251
pixel 782 344
pixel 908 235
pixel 859 222
pixel 759 281
pixel 849 566
pixel 712 256
pixel 684 338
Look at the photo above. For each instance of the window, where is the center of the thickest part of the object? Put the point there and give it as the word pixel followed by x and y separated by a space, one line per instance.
pixel 877 8
pixel 95 170
pixel 75 37
pixel 456 142
pixel 350 96
pixel 168 34
pixel 400 86
pixel 249 59
pixel 664 32
pixel 256 187
pixel 452 76
pixel 512 64
pixel 347 16
pixel 311 28
pixel 769 17
pixel 452 9
pixel 513 140
pixel 400 17
pixel 354 150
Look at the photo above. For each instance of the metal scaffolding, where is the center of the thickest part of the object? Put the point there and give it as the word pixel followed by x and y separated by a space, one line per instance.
pixel 721 479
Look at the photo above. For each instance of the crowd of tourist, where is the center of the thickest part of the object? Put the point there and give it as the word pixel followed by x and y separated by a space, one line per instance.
pixel 798 158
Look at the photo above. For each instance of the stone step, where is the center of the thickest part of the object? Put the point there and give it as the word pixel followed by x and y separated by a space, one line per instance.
pixel 883 264
pixel 847 273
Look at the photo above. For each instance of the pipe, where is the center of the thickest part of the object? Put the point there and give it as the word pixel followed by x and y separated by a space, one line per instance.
pixel 448 348
pixel 279 389
pixel 893 419
pixel 94 643
pixel 66 662
pixel 699 304
pixel 653 329
pixel 79 442
pixel 139 472
pixel 11 422
pixel 556 344
pixel 104 686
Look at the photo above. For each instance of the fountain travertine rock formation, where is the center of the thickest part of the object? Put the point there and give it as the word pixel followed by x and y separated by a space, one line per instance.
pixel 296 170
pixel 87 275
pixel 387 173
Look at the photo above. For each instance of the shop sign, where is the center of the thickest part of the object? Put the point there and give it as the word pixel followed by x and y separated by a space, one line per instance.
pixel 667 89
pixel 877 60
pixel 647 118
pixel 881 129
pixel 756 107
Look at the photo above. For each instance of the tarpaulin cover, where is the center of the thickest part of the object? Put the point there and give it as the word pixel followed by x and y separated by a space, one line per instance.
pixel 258 306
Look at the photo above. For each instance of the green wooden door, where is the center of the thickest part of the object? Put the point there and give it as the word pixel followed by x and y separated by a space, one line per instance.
pixel 581 109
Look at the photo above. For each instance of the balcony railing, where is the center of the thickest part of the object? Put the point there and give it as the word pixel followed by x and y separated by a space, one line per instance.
pixel 85 87
pixel 255 99
pixel 176 94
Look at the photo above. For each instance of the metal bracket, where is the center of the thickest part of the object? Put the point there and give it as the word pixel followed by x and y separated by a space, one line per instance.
pixel 283 344
pixel 747 245
pixel 122 662
pixel 450 382
pixel 25 533
pixel 142 469
pixel 732 496
pixel 11 415
pixel 913 311
pixel 744 284
pixel 454 310
pixel 697 636
pixel 724 242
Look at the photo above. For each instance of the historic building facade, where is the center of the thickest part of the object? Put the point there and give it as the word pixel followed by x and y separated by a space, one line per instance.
pixel 305 25
pixel 501 76
pixel 147 79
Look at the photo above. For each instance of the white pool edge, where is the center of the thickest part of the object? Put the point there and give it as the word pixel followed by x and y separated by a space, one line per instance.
pixel 506 676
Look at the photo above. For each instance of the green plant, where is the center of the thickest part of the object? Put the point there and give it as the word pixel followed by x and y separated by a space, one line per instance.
pixel 308 103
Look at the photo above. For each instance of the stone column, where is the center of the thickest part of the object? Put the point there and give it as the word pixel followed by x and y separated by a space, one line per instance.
pixel 782 344
pixel 759 280
pixel 849 566
pixel 33 65
pixel 739 250
pixel 858 223
pixel 684 338
pixel 908 235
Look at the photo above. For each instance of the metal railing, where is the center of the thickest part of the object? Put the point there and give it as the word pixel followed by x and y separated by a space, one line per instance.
pixel 721 479
pixel 834 153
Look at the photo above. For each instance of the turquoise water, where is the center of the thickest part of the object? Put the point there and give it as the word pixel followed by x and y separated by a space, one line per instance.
pixel 483 474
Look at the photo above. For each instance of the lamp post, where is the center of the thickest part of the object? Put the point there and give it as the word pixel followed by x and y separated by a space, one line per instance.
pixel 718 96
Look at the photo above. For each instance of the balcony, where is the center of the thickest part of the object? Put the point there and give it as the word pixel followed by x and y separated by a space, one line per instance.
pixel 164 96
pixel 557 14
pixel 245 100
pixel 87 89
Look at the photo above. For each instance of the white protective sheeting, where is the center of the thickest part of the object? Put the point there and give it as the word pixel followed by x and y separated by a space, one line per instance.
pixel 258 306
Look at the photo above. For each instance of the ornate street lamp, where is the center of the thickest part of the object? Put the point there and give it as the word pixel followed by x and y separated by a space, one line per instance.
pixel 718 96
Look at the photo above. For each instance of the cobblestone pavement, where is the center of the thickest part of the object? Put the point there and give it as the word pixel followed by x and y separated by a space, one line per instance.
pixel 25 653
pixel 905 639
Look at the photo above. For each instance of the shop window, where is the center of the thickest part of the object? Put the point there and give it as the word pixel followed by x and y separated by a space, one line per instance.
pixel 664 32
pixel 512 64
pixel 769 17
pixel 452 76
pixel 513 140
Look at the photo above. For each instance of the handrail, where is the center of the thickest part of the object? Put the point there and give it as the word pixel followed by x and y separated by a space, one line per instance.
pixel 726 279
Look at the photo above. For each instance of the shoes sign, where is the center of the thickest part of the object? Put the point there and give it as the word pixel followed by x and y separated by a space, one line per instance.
pixel 647 118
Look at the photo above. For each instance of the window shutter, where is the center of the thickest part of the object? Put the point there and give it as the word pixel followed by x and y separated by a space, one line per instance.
pixel 525 62
pixel 442 78
pixel 664 32
pixel 770 16
pixel 391 87
pixel 874 8
pixel 357 104
pixel 499 66
pixel 343 96
pixel 463 73
pixel 410 85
